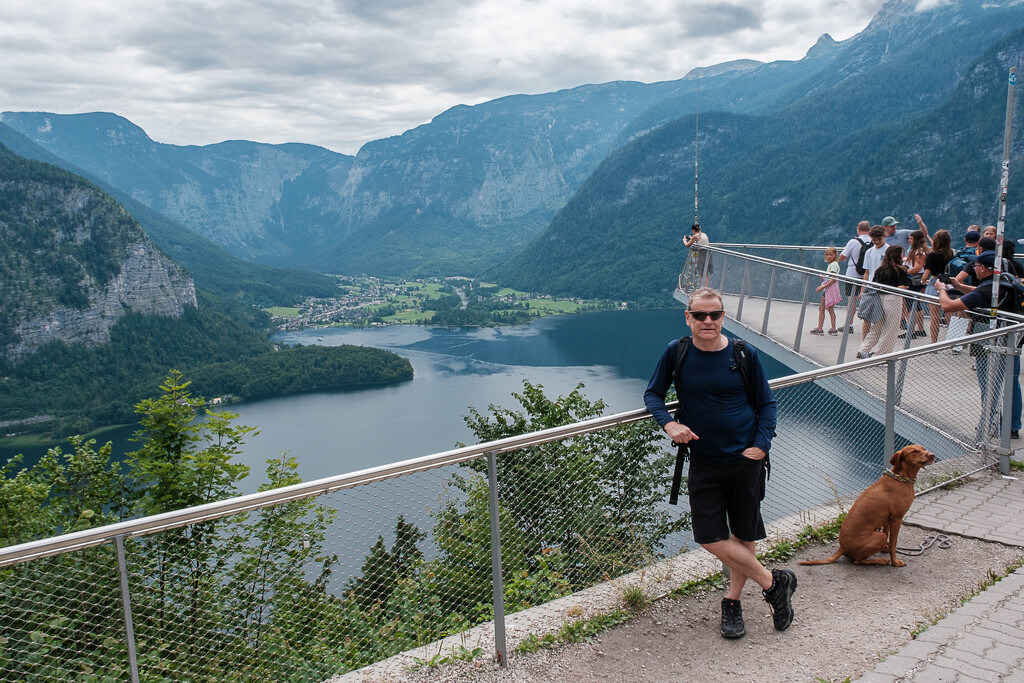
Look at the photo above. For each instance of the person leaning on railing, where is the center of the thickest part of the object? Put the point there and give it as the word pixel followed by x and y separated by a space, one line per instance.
pixel 976 299
pixel 698 238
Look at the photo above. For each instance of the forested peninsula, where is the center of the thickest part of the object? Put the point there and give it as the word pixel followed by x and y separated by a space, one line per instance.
pixel 66 389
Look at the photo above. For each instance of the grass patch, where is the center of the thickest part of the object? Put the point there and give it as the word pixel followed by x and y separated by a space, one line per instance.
pixel 990 580
pixel 1016 466
pixel 549 306
pixel 690 588
pixel 580 631
pixel 283 311
pixel 780 552
pixel 460 653
pixel 635 598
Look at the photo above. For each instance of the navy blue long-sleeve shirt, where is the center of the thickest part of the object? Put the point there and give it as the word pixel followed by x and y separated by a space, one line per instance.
pixel 714 401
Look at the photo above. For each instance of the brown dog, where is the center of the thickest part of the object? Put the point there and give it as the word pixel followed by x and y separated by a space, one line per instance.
pixel 873 523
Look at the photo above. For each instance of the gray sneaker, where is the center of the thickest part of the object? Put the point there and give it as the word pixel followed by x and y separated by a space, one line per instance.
pixel 732 619
pixel 779 597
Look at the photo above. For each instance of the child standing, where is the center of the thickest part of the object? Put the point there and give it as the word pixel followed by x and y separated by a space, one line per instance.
pixel 830 292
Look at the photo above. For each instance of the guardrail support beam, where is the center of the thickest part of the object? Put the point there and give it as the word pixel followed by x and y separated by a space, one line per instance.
pixel 496 572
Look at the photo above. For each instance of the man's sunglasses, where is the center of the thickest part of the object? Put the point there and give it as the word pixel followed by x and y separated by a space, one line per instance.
pixel 701 316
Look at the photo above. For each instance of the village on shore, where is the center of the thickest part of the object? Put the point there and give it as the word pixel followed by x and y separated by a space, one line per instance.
pixel 377 302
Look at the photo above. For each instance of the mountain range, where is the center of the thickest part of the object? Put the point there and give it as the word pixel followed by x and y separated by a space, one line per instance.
pixel 587 191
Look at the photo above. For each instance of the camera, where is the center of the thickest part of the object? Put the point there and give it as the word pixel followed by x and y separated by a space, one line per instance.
pixel 943 278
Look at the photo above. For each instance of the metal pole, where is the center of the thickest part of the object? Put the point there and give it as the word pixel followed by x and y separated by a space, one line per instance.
pixel 849 323
pixel 1008 378
pixel 890 412
pixel 126 601
pixel 743 289
pixel 768 303
pixel 1003 183
pixel 803 312
pixel 496 573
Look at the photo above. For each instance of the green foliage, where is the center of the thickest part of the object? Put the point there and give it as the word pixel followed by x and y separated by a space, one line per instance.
pixel 85 387
pixel 384 570
pixel 248 597
pixel 593 498
pixel 239 587
pixel 579 631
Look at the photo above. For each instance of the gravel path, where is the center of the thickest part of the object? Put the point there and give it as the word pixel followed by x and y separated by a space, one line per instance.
pixel 847 619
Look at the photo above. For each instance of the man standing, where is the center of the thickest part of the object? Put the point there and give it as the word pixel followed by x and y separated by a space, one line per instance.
pixel 901 238
pixel 850 253
pixel 728 430
pixel 980 298
pixel 872 260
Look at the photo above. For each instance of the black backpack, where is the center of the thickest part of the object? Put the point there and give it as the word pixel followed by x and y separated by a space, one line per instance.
pixel 742 361
pixel 858 263
pixel 1011 290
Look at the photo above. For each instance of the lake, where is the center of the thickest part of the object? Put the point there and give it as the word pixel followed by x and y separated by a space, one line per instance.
pixel 612 352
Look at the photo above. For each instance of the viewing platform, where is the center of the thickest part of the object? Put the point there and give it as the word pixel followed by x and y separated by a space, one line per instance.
pixel 460 562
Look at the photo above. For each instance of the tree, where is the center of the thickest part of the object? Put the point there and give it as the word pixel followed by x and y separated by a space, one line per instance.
pixel 592 500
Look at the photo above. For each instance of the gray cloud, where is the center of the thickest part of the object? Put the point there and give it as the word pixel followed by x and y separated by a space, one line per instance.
pixel 339 73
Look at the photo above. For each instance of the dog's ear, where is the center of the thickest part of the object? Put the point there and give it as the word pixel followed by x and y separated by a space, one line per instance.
pixel 896 459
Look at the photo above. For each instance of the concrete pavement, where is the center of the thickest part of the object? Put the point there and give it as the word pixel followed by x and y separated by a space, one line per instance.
pixel 984 639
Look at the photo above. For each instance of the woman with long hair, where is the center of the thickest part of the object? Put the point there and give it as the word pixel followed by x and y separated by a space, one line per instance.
pixel 935 265
pixel 893 273
pixel 914 263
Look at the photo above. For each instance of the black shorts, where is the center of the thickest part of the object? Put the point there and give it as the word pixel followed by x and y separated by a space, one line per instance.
pixel 725 499
pixel 848 286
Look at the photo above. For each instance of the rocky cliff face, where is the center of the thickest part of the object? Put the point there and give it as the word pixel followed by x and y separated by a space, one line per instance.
pixel 148 282
pixel 74 262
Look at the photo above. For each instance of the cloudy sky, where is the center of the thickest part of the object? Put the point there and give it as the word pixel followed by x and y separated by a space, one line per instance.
pixel 339 73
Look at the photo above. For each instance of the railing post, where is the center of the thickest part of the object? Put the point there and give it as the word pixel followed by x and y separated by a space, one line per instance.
pixel 126 602
pixel 721 279
pixel 743 290
pixel 850 300
pixel 768 303
pixel 803 312
pixel 496 573
pixel 1008 379
pixel 890 411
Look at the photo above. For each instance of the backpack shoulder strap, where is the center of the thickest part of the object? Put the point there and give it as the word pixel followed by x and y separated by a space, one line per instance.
pixel 745 364
pixel 682 348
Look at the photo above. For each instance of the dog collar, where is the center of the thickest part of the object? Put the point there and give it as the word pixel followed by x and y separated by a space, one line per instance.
pixel 899 477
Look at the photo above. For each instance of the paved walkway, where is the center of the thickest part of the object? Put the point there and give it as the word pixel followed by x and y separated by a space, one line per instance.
pixel 984 639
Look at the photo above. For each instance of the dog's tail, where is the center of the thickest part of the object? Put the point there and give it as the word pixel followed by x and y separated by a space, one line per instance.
pixel 828 560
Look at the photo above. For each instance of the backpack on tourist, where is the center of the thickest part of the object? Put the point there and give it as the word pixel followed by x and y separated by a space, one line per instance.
pixel 1011 293
pixel 743 362
pixel 960 261
pixel 858 263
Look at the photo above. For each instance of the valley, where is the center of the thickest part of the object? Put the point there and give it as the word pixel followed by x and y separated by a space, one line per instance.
pixel 374 302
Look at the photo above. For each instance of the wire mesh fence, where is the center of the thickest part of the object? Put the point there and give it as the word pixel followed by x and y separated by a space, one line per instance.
pixel 308 585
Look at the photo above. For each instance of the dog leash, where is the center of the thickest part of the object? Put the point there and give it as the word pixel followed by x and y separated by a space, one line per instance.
pixel 942 540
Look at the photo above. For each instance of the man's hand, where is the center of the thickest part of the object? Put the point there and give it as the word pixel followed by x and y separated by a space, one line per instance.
pixel 679 433
pixel 754 453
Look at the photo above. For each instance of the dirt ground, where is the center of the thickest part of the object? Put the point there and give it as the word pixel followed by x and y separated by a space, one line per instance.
pixel 848 618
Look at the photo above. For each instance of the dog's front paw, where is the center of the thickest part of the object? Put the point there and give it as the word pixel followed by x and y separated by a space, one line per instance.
pixel 899 563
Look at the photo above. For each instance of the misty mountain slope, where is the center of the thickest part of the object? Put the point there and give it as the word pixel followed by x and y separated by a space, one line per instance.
pixel 800 175
pixel 211 266
pixel 259 201
pixel 452 196
pixel 74 262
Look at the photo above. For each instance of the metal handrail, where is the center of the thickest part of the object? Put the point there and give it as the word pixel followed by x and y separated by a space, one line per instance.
pixel 209 511
pixel 885 289
pixel 798 247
